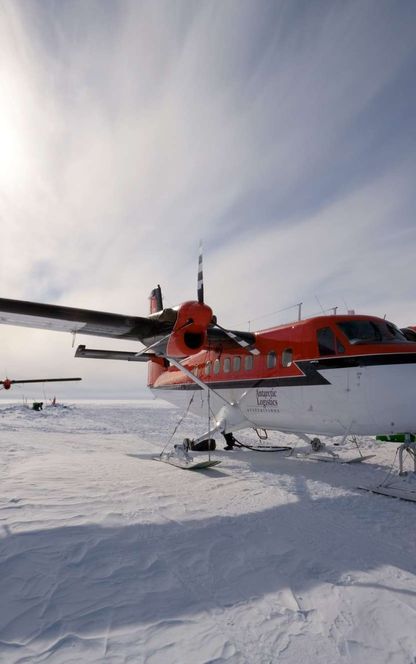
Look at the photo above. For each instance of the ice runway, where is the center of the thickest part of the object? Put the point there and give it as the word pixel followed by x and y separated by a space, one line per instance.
pixel 109 556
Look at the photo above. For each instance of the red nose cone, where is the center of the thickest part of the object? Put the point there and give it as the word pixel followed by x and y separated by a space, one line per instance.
pixel 7 384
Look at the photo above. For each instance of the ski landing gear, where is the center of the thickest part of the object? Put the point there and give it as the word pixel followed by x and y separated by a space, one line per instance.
pixel 320 452
pixel 405 488
pixel 181 458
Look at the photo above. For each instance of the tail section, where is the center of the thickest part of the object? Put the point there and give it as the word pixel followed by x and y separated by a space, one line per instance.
pixel 158 365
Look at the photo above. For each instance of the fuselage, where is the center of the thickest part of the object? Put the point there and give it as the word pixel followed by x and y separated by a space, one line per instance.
pixel 325 375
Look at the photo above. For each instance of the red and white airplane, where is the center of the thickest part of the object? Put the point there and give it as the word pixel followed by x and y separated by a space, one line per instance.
pixel 328 375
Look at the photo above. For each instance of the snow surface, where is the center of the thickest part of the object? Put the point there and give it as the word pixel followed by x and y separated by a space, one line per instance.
pixel 109 556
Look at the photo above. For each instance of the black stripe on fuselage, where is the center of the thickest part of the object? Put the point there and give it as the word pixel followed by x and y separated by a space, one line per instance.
pixel 310 377
pixel 311 372
pixel 378 359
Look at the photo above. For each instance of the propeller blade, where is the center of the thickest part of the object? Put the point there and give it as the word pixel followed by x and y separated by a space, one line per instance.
pixel 241 342
pixel 200 277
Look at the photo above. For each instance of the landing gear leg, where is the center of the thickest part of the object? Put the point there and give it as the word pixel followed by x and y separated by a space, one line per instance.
pixel 399 489
pixel 409 447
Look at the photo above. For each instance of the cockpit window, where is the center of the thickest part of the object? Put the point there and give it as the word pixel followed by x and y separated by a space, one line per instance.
pixel 361 331
pixel 369 332
pixel 340 347
pixel 397 334
pixel 409 334
pixel 326 341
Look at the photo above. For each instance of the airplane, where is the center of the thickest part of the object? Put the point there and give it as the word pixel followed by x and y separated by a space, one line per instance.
pixel 329 375
pixel 7 383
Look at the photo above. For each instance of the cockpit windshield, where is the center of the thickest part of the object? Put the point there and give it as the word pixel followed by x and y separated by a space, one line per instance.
pixel 370 332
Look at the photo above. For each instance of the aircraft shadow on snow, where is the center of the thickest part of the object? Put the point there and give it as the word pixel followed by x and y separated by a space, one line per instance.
pixel 80 579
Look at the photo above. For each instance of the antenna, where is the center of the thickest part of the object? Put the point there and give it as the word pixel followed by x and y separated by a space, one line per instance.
pixel 272 313
pixel 317 299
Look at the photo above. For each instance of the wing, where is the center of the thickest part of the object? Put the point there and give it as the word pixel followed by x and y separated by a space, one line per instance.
pixel 44 380
pixel 129 356
pixel 82 321
pixel 147 330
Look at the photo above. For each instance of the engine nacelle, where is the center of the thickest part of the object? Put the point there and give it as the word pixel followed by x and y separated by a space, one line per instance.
pixel 189 334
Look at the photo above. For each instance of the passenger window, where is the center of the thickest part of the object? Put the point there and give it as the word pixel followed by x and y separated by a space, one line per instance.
pixel 208 369
pixel 287 357
pixel 248 362
pixel 217 366
pixel 326 341
pixel 227 365
pixel 271 359
pixel 237 363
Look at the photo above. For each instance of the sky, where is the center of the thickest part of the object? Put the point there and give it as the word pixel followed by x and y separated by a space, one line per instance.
pixel 282 134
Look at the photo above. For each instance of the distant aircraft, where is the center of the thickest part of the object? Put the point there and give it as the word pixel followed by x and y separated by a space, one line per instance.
pixel 7 383
pixel 327 375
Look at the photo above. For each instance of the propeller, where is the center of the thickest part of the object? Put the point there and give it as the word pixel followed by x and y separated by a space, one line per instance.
pixel 200 286
pixel 250 347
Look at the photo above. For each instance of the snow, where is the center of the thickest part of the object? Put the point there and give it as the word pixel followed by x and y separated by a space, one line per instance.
pixel 109 556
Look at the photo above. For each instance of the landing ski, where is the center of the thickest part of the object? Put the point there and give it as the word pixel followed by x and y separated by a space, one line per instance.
pixel 391 492
pixel 188 464
pixel 180 458
pixel 339 459
pixel 332 458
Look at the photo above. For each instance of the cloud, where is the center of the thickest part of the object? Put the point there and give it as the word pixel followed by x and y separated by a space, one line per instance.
pixel 281 136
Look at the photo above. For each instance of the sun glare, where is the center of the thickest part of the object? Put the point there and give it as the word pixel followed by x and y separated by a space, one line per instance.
pixel 12 166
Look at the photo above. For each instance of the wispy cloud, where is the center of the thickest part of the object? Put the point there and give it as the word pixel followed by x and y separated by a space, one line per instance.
pixel 282 134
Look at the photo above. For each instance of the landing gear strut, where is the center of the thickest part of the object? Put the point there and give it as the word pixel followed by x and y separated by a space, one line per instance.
pixel 409 447
pixel 399 489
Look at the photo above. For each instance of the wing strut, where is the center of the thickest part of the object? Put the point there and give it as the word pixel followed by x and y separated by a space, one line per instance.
pixel 196 380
